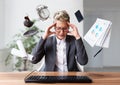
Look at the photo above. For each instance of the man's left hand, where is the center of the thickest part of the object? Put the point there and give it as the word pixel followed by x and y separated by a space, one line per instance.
pixel 74 31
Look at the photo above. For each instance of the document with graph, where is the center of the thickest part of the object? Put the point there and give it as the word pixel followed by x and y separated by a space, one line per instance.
pixel 99 33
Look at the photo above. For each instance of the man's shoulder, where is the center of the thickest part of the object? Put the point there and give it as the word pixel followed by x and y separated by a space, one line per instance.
pixel 51 37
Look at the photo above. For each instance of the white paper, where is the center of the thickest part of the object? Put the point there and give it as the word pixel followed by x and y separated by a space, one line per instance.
pixel 30 57
pixel 99 33
pixel 104 40
pixel 21 47
pixel 107 41
pixel 21 52
pixel 17 52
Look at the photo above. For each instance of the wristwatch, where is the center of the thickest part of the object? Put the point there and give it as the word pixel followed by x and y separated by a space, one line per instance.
pixel 43 12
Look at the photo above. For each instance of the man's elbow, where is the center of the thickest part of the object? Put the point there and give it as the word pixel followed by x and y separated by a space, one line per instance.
pixel 34 60
pixel 84 62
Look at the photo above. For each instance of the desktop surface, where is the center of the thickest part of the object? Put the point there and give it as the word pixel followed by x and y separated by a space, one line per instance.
pixel 98 78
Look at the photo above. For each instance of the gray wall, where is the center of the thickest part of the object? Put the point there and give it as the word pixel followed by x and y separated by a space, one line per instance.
pixel 110 10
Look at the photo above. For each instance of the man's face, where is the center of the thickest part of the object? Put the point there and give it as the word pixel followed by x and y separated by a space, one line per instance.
pixel 61 29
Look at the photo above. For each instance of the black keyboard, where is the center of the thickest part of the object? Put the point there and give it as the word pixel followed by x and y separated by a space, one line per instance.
pixel 58 79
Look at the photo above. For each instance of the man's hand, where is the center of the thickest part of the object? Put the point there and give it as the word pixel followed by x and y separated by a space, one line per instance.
pixel 48 32
pixel 74 31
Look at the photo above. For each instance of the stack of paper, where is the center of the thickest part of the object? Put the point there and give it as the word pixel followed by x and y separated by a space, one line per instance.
pixel 21 52
pixel 99 33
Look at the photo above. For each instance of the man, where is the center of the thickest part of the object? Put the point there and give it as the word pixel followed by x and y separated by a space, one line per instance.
pixel 63 49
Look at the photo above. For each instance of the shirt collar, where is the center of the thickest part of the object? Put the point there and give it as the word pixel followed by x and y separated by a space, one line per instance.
pixel 59 41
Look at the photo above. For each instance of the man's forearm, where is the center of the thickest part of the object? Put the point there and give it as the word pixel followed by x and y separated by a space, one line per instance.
pixel 81 52
pixel 38 51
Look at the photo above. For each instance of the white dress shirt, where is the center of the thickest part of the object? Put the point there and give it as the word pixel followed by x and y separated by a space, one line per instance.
pixel 61 61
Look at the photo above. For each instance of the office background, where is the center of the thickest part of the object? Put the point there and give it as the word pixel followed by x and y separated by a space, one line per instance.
pixel 12 14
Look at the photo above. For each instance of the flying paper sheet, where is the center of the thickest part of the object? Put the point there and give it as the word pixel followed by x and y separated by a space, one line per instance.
pixel 21 52
pixel 99 33
pixel 17 52
pixel 21 47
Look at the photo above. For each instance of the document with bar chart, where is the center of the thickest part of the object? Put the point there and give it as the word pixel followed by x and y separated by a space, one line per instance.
pixel 99 33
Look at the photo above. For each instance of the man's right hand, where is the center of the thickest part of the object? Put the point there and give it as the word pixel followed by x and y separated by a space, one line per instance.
pixel 48 32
